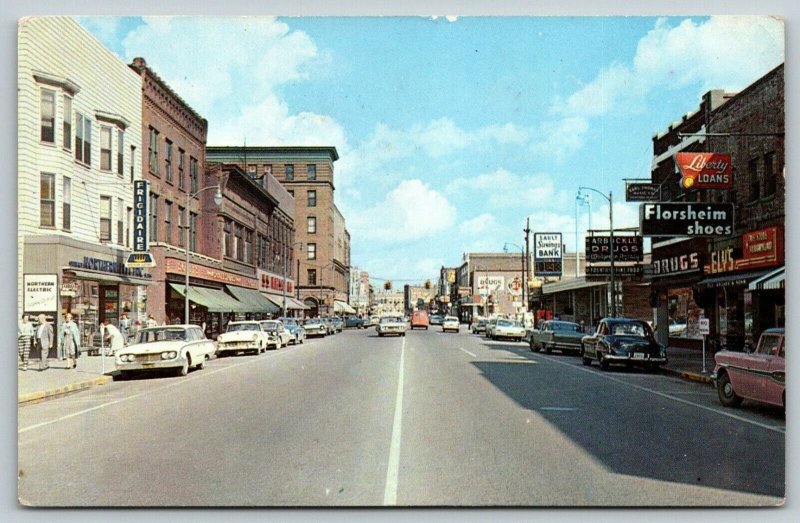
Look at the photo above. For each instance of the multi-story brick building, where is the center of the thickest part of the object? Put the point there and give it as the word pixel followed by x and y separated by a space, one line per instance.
pixel 307 174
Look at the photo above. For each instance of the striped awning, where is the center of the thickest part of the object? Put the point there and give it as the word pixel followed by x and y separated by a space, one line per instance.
pixel 771 281
pixel 291 303
pixel 342 307
pixel 253 299
pixel 214 300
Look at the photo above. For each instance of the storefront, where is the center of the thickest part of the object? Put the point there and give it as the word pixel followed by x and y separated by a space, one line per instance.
pixel 271 286
pixel 574 300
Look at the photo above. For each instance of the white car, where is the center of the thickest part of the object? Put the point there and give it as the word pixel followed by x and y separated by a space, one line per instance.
pixel 508 329
pixel 450 323
pixel 242 336
pixel 174 347
pixel 315 327
pixel 277 335
pixel 391 325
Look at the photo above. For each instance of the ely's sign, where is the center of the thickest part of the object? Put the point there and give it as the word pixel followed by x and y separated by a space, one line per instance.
pixel 141 194
pixel 761 248
pixel 626 248
pixel 705 170
pixel 686 219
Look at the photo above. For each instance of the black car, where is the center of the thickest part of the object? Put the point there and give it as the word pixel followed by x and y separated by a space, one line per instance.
pixel 623 340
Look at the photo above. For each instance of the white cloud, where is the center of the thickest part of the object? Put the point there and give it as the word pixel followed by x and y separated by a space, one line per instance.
pixel 502 189
pixel 561 138
pixel 103 27
pixel 478 225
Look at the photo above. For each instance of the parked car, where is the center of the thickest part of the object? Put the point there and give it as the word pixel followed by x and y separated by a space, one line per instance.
pixel 315 327
pixel 437 319
pixel 354 322
pixel 391 325
pixel 278 336
pixel 330 328
pixel 490 325
pixel 759 375
pixel 479 326
pixel 420 319
pixel 554 334
pixel 338 323
pixel 623 340
pixel 675 328
pixel 242 336
pixel 508 329
pixel 450 323
pixel 370 321
pixel 295 329
pixel 171 347
pixel 532 331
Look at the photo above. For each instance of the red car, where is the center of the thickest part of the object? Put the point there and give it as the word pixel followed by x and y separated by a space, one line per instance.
pixel 759 375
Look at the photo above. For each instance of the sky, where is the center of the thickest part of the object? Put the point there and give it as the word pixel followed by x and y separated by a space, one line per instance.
pixel 452 131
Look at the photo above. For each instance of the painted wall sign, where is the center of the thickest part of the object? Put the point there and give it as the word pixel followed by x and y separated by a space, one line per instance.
pixel 686 219
pixel 705 170
pixel 141 195
pixel 491 283
pixel 269 282
pixel 626 248
pixel 40 293
pixel 175 266
pixel 642 192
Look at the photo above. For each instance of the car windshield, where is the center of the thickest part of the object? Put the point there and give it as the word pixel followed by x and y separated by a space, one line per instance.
pixel 314 321
pixel 451 318
pixel 565 327
pixel 233 327
pixel 508 323
pixel 633 328
pixel 270 325
pixel 165 334
pixel 391 319
pixel 289 321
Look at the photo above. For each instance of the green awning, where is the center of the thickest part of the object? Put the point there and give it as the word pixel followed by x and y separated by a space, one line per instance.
pixel 212 299
pixel 254 300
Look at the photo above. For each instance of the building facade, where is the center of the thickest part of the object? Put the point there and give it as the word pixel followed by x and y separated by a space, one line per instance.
pixel 79 133
pixel 359 290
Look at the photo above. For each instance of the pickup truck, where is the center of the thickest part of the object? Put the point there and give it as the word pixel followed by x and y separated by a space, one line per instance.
pixel 554 334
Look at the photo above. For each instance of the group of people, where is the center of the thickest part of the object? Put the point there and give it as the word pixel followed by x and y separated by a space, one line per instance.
pixel 68 346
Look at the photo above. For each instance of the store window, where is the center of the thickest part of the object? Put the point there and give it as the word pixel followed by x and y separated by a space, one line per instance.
pixel 66 204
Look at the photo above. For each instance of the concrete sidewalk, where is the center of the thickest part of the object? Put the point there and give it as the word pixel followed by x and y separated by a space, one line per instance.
pixel 688 364
pixel 34 385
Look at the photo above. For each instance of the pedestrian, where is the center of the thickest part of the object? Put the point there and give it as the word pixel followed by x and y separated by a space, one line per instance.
pixel 69 344
pixel 125 327
pixel 25 334
pixel 113 337
pixel 151 322
pixel 44 340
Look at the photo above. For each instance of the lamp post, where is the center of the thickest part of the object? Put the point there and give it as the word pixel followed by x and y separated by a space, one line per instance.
pixel 283 310
pixel 580 199
pixel 187 226
pixel 522 254
pixel 610 200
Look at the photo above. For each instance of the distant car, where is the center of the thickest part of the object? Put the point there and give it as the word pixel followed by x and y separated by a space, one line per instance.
pixel 450 323
pixel 555 334
pixel 676 329
pixel 759 375
pixel 330 328
pixel 371 321
pixel 338 323
pixel 509 329
pixel 490 325
pixel 437 319
pixel 171 347
pixel 242 336
pixel 391 325
pixel 315 327
pixel 420 319
pixel 479 326
pixel 354 322
pixel 278 336
pixel 532 331
pixel 295 329
pixel 623 340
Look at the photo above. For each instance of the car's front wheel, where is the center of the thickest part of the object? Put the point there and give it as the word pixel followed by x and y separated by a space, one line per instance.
pixel 184 370
pixel 727 396
pixel 602 361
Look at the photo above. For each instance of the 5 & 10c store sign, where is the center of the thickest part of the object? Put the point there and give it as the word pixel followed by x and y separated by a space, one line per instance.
pixel 273 282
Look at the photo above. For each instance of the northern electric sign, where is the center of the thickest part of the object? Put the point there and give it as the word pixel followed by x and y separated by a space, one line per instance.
pixel 686 219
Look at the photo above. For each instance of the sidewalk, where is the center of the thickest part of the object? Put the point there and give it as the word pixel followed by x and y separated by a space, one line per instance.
pixel 688 364
pixel 34 385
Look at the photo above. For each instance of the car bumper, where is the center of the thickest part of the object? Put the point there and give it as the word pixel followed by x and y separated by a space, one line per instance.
pixel 236 346
pixel 310 333
pixel 508 335
pixel 134 366
pixel 629 359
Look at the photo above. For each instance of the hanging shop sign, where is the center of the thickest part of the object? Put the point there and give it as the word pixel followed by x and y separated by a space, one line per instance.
pixel 547 254
pixel 705 170
pixel 40 292
pixel 137 260
pixel 70 288
pixel 626 248
pixel 603 272
pixel 514 287
pixel 674 265
pixel 108 266
pixel 761 248
pixel 642 192
pixel 141 193
pixel 686 219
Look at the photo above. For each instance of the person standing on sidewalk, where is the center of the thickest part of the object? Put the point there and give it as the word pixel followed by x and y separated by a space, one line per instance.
pixel 125 327
pixel 44 340
pixel 151 322
pixel 113 336
pixel 25 334
pixel 69 345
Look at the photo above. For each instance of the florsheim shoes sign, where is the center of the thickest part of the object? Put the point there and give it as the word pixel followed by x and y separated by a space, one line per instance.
pixel 686 219
pixel 705 170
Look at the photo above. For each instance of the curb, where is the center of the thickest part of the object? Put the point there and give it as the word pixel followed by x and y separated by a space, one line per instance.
pixel 72 387
pixel 690 376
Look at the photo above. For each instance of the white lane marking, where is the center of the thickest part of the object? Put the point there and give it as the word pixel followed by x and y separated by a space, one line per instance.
pixel 393 469
pixel 671 397
pixel 558 409
pixel 468 352
pixel 187 379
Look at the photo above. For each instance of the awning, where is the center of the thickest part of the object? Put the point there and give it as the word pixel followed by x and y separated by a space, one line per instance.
pixel 729 280
pixel 212 299
pixel 770 281
pixel 103 276
pixel 340 306
pixel 291 303
pixel 253 299
pixel 571 284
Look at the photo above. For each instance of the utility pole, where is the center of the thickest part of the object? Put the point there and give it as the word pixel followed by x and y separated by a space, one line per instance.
pixel 527 232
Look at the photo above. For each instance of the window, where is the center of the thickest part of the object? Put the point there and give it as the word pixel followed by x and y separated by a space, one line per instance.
pixel 120 222
pixel 228 236
pixel 312 276
pixel 267 170
pixel 67 123
pixel 133 160
pixel 105 148
pixel 755 182
pixel 181 232
pixel 248 246
pixel 252 172
pixel 47 111
pixel 263 248
pixel 120 153
pixel 152 151
pixel 289 171
pixel 193 231
pixel 83 139
pixel 312 251
pixel 770 179
pixel 128 221
pixel 66 204
pixel 312 172
pixel 168 221
pixel 47 200
pixel 181 168
pixel 239 242
pixel 153 217
pixel 193 174
pixel 168 161
pixel 105 218
pixel 312 198
pixel 312 224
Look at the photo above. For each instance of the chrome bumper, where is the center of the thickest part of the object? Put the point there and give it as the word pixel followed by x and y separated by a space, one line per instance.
pixel 617 358
pixel 150 365
pixel 236 346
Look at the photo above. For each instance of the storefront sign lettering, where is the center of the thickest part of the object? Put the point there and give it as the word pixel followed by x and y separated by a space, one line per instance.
pixel 686 219
pixel 684 263
pixel 268 281
pixel 626 248
pixel 722 261
pixel 175 266
pixel 40 293
pixel 547 246
pixel 141 192
pixel 112 267
pixel 760 248
pixel 642 192
pixel 705 170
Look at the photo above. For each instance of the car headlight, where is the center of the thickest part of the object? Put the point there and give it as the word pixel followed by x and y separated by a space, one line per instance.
pixel 255 337
pixel 127 357
pixel 169 355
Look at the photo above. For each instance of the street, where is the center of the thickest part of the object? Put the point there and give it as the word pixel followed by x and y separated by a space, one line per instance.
pixel 425 419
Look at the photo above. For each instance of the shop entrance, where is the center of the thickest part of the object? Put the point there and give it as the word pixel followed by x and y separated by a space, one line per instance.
pixel 109 304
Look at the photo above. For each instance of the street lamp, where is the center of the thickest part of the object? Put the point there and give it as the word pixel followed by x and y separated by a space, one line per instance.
pixel 610 201
pixel 580 199
pixel 522 254
pixel 187 226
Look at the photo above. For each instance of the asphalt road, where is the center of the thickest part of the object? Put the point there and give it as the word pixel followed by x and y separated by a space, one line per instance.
pixel 426 419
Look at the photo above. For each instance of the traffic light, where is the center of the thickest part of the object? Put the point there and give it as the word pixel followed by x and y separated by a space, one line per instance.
pixel 427 284
pixel 387 285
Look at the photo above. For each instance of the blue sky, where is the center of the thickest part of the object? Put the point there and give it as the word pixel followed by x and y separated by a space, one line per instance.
pixel 452 131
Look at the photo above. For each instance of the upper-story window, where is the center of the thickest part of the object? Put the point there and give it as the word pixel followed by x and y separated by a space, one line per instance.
pixel 252 172
pixel 105 218
pixel 239 242
pixel 291 193
pixel 153 217
pixel 83 139
pixel 66 204
pixel 193 175
pixel 66 128
pixel 47 200
pixel 289 171
pixel 312 198
pixel 193 231
pixel 47 110
pixel 168 221
pixel 312 225
pixel 181 168
pixel 312 251
pixel 312 172
pixel 770 174
pixel 152 151
pixel 755 180
pixel 168 160
pixel 105 148
pixel 120 221
pixel 181 232
pixel 121 152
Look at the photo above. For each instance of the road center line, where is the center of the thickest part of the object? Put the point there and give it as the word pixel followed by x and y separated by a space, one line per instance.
pixel 393 469
pixel 468 352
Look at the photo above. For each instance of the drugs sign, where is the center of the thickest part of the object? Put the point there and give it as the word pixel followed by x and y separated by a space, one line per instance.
pixel 686 219
pixel 626 248
pixel 705 170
